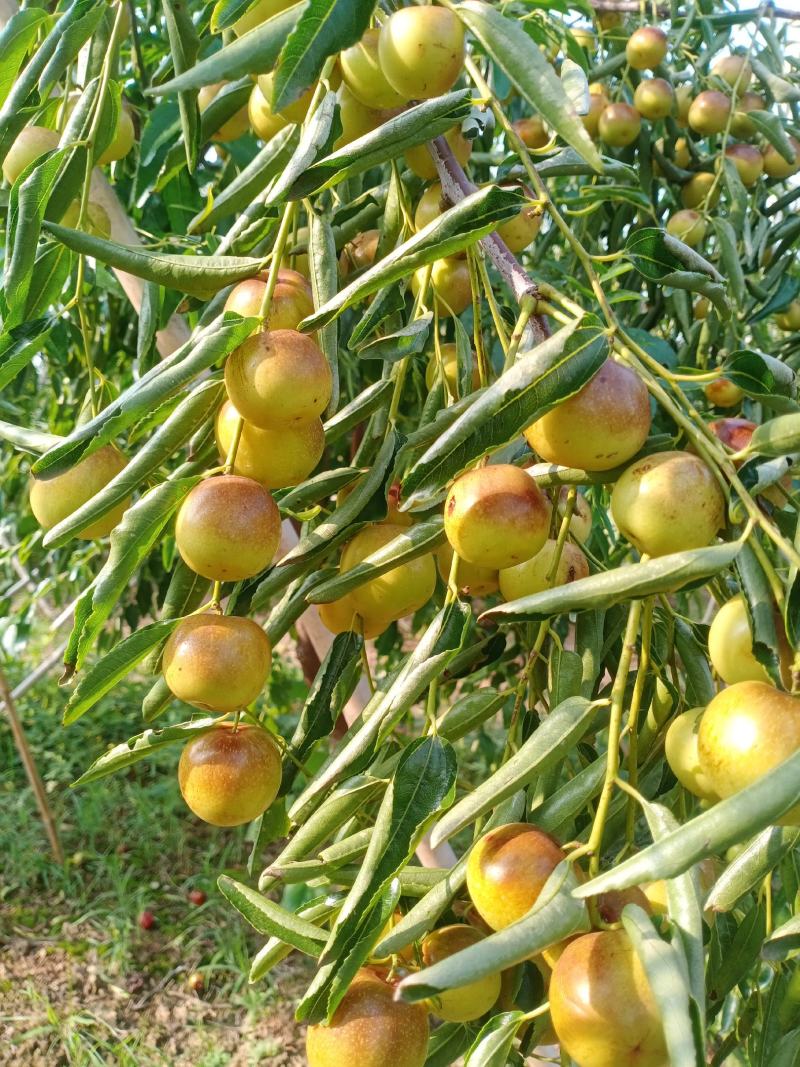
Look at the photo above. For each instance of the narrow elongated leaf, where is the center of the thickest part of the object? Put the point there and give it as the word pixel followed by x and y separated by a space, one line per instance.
pixel 549 743
pixel 493 1044
pixel 748 871
pixel 15 39
pixel 778 437
pixel 319 132
pixel 269 918
pixel 277 950
pixel 771 127
pixel 784 941
pixel 528 69
pixel 468 712
pixel 184 46
pixel 359 409
pixel 143 745
pixel 19 345
pixel 324 273
pixel 72 38
pixel 662 575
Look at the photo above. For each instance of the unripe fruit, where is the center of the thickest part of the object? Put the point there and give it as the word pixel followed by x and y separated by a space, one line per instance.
pixel 747 731
pixel 723 393
pixel 730 645
pixel 97 221
pixel 700 311
pixel 603 425
pixel 789 318
pixel 400 591
pixel 363 76
pixel 260 11
pixel 748 161
pixel 53 499
pixel 496 516
pixel 735 70
pixel 470 1001
pixel 359 253
pixel 217 662
pixel 230 775
pixel 449 359
pixel 451 285
pixel 370 1029
pixel 122 142
pixel 584 38
pixel 473 580
pixel 741 124
pixel 357 119
pixel 775 166
pixel 431 205
pixel 276 457
pixel 609 20
pixel 420 161
pixel 580 524
pixel 263 120
pixel 291 300
pixel 688 226
pixel 619 125
pixel 278 377
pixel 709 112
pixel 531 576
pixel 234 127
pixel 602 1006
pixel 228 528
pixel 654 98
pixel 683 101
pixel 341 615
pixel 668 502
pixel 294 112
pixel 507 869
pixel 421 51
pixel 30 144
pixel 646 48
pixel 532 132
pixel 701 189
pixel 518 232
pixel 598 102
pixel 680 748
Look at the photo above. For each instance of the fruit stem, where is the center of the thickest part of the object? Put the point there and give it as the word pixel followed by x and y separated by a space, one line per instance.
pixel 526 309
pixel 632 726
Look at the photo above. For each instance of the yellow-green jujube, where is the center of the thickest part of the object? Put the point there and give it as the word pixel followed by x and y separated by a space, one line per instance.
pixel 340 616
pixel 472 579
pixel 531 576
pixel 279 377
pixel 735 70
pixel 776 165
pixel 687 226
pixel 741 123
pixel 294 112
pixel 31 143
pixel 122 141
pixel 420 161
pixel 232 128
pixel 467 1002
pixel 357 119
pixel 421 51
pixel 789 318
pixel 646 47
pixel 701 189
pixel 654 98
pixel 748 161
pixel 259 12
pixel 449 360
pixel 363 76
pixel 450 281
pixel 263 120
pixel 277 457
pixel 619 124
pixel 730 645
pixel 708 112
pixel 400 591
pixel 290 303
pixel 54 499
pixel 683 756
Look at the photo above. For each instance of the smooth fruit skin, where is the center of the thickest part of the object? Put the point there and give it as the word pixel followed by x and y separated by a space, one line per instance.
pixel 260 11
pixel 449 360
pixel 683 756
pixel 668 502
pixel 357 118
pixel 278 377
pixel 280 457
pixel 730 645
pixel 420 161
pixel 217 662
pixel 359 253
pixel 340 616
pixel 431 205
pixel 31 143
pixel 294 112
pixel 702 188
pixel 741 124
pixel 122 142
pixel 507 869
pixel 619 125
pixel 748 161
pixel 603 425
pixel 688 226
pixel 470 1001
pixel 654 98
pixel 775 166
pixel 735 70
pixel 708 113
pixel 263 120
pixel 521 230
pixel 789 318
pixel 646 48
pixel 97 220
pixel 473 580
pixel 531 576
pixel 370 1029
pixel 400 591
pixel 496 516
pixel 421 51
pixel 602 1007
pixel 746 731
pixel 598 102
pixel 363 76
pixel 230 775
pixel 722 392
pixel 53 499
pixel 532 132
pixel 291 300
pixel 451 285
pixel 228 528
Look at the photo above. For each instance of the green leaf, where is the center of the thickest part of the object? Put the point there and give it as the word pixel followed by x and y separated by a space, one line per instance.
pixel 784 941
pixel 760 602
pixel 665 574
pixel 184 45
pixel 787 290
pixel 770 126
pixel 16 38
pixel 668 984
pixel 277 950
pixel 74 34
pixel 27 439
pixel 19 345
pixel 324 28
pixel 555 736
pixel 448 1043
pixel 255 52
pixel 468 712
pixel 730 258
pixel 474 217
pixel 516 54
pixel 319 131
pixel 324 276
pixel 200 276
pixel 493 1044
pixel 113 667
pixel 777 437
pixel 407 341
pixel 762 377
pixel 748 871
pixel 360 408
pixel 143 745
pixel 730 821
pixel 269 918
pixel 662 258
pixel 553 371
pixel 51 270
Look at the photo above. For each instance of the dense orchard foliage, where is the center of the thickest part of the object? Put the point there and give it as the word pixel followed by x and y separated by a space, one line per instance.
pixel 458 344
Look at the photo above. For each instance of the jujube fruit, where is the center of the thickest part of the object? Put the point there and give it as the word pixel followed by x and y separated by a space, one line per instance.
pixel 340 616
pixel 420 161
pixel 748 162
pixel 532 132
pixel 294 112
pixel 646 48
pixel 723 393
pixel 291 300
pixel 232 128
pixel 747 731
pixel 668 502
pixel 611 904
pixel 467 1002
pixel 421 51
pixel 730 645
pixel 683 756
pixel 708 113
pixel 96 221
pixel 31 143
pixel 530 576
pixel 278 377
pixel 496 516
pixel 122 141
pixel 53 499
pixel 217 662
pixel 580 523
pixel 654 98
pixel 520 230
pixel 431 205
pixel 259 12
pixel 602 1007
pixel 228 528
pixel 507 870
pixel 735 70
pixel 701 189
pixel 359 253
pixel 789 318
pixel 230 774
pixel 619 124
pixel 775 166
pixel 263 120
pixel 363 76
pixel 741 123
pixel 688 226
pixel 357 119
pixel 604 424
pixel 278 457
pixel 449 360
pixel 473 580
pixel 451 285
pixel 598 102
pixel 397 593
